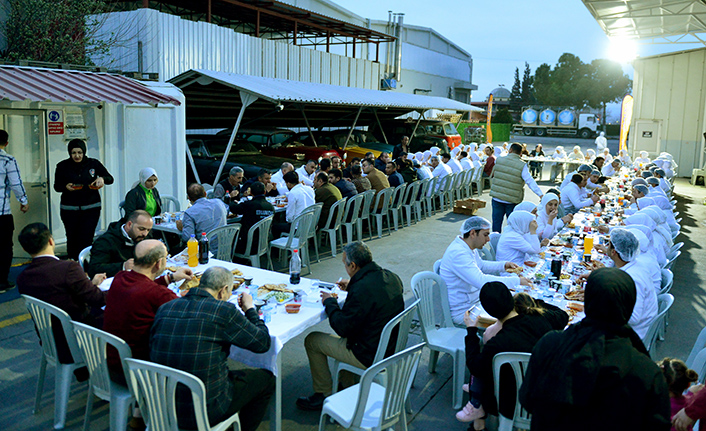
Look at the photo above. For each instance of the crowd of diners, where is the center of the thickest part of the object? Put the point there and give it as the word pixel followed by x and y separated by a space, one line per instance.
pixel 585 375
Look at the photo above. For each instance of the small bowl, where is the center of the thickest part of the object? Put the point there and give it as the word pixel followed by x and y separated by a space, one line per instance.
pixel 258 303
pixel 292 308
pixel 248 281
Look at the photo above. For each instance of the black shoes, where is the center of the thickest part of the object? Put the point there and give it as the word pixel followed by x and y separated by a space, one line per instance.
pixel 313 402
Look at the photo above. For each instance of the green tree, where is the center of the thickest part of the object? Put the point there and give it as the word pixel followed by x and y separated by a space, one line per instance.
pixel 59 31
pixel 609 84
pixel 503 116
pixel 543 84
pixel 527 87
pixel 516 93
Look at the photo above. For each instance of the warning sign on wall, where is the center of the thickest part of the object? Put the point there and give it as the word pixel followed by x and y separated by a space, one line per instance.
pixel 55 125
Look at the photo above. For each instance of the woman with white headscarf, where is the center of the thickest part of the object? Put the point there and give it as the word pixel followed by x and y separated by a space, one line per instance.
pixel 557 167
pixel 590 155
pixel 625 158
pixel 606 156
pixel 144 196
pixel 472 147
pixel 548 221
pixel 434 150
pixel 646 259
pixel 528 206
pixel 662 232
pixel 642 160
pixel 575 156
pixel 475 160
pixel 426 157
pixel 499 152
pixel 519 238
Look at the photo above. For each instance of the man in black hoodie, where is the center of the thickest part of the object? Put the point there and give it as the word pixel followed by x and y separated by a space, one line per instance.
pixel 253 211
pixel 115 249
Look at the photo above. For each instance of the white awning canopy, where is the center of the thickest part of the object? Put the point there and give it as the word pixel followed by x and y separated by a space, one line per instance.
pixel 654 21
pixel 213 101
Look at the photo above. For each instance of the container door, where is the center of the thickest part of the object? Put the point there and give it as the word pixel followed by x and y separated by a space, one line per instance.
pixel 27 144
pixel 647 137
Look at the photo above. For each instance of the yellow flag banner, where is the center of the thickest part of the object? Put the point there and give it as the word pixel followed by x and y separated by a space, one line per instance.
pixel 625 119
pixel 488 132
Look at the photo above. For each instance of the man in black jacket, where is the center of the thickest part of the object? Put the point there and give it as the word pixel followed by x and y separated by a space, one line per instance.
pixel 253 211
pixel 264 177
pixel 346 187
pixel 114 251
pixel 374 298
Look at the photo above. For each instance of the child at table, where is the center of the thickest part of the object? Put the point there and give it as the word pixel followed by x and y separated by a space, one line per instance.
pixel 679 378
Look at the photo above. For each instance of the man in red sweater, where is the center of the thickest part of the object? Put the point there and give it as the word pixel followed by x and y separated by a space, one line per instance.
pixel 134 298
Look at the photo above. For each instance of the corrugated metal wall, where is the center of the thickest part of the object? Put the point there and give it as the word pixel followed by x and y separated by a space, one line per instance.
pixel 171 45
pixel 671 88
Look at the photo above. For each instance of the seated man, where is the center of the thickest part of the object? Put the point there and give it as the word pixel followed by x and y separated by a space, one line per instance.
pixel 252 211
pixel 451 162
pixel 361 183
pixel 114 250
pixel 347 188
pixel 194 334
pixel 465 273
pixel 382 161
pixel 623 249
pixel 355 161
pixel 574 195
pixel 203 215
pixel 374 297
pixel 324 165
pixel 134 299
pixel 393 177
pixel 326 193
pixel 61 283
pixel 439 168
pixel 230 185
pixel 405 168
pixel 278 178
pixel 594 182
pixel 307 172
pixel 377 179
pixel 584 170
pixel 299 198
pixel 336 163
pixel 611 169
pixel 264 177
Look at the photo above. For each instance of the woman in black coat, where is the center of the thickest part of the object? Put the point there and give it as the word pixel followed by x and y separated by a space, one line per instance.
pixel 144 196
pixel 78 179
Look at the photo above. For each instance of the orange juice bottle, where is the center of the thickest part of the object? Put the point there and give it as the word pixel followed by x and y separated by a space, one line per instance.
pixel 192 248
pixel 587 244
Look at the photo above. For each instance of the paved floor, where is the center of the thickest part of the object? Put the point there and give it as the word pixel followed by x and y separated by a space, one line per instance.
pixel 405 252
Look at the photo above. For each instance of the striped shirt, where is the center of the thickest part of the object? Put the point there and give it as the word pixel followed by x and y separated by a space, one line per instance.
pixel 10 180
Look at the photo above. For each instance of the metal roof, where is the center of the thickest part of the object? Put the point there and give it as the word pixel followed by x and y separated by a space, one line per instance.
pixel 212 101
pixel 658 21
pixel 54 85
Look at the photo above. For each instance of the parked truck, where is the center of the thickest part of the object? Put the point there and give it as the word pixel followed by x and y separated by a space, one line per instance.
pixel 551 120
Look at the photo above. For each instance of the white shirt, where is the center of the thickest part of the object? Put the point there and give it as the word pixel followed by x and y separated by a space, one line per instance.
pixel 573 198
pixel 601 144
pixel 640 161
pixel 299 198
pixel 466 163
pixel 513 246
pixel 546 229
pixel 279 182
pixel 464 273
pixel 529 180
pixel 646 308
pixel 567 179
pixel 423 172
pixel 442 170
pixel 455 165
pixel 648 261
pixel 305 177
pixel 608 170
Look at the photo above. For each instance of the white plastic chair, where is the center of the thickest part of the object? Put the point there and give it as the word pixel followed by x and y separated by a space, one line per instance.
pixel 333 225
pixel 699 345
pixel 396 205
pixel 85 257
pixel 426 196
pixel 42 314
pixel 493 243
pixel 441 192
pixel 667 281
pixel 170 204
pixel 446 338
pixel 478 181
pixel 699 365
pixel 409 203
pixel 365 212
pixel 519 363
pixel 372 406
pixel 437 266
pixel 381 209
pixel 227 237
pixel 664 302
pixel 254 251
pixel 672 251
pixel 155 385
pixel 92 343
pixel 313 226
pixel 352 214
pixel 402 322
pixel 296 239
pixel 671 260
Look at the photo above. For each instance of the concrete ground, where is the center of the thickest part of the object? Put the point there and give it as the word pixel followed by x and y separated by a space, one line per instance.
pixel 406 252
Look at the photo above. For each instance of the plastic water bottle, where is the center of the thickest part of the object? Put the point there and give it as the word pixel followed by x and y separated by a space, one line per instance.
pixel 203 249
pixel 192 248
pixel 295 268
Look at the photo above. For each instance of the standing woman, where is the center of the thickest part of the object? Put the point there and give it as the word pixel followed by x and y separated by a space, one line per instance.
pixel 144 196
pixel 78 179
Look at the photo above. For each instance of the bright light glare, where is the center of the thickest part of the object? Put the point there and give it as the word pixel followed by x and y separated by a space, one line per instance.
pixel 622 50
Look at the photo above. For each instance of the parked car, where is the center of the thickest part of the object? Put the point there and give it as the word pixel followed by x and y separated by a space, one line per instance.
pixel 207 152
pixel 360 143
pixel 282 143
pixel 429 133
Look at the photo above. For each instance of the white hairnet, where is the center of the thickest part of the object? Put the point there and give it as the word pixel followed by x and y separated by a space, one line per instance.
pixel 434 150
pixel 474 223
pixel 525 206
pixel 482 147
pixel 602 133
pixel 642 188
pixel 641 238
pixel 591 152
pixel 559 148
pixel 577 148
pixel 419 156
pixel 637 181
pixel 660 172
pixel 625 243
pixel 519 222
pixel 455 151
pixel 644 154
pixel 653 180
pixel 427 154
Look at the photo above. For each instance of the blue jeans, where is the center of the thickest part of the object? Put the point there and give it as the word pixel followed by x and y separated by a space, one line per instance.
pixel 500 210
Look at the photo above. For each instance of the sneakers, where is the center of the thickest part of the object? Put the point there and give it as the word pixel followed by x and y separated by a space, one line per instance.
pixel 466 388
pixel 313 402
pixel 470 413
